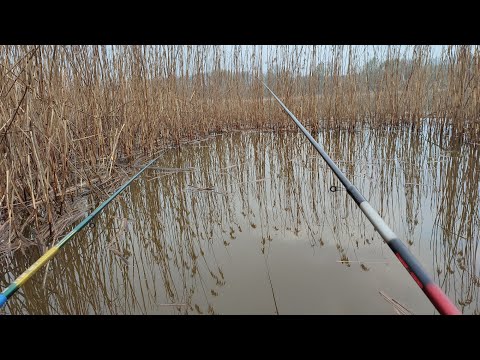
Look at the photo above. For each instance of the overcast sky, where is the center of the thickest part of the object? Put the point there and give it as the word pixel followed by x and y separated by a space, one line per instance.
pixel 326 52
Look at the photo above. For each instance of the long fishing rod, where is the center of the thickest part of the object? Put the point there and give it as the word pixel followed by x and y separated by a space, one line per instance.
pixel 434 293
pixel 27 274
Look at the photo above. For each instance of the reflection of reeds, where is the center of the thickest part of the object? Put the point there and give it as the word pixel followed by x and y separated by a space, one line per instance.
pixel 174 239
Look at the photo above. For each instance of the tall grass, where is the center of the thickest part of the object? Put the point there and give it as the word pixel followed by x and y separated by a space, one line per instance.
pixel 72 117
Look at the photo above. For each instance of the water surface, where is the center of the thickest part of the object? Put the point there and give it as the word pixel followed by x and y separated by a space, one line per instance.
pixel 245 223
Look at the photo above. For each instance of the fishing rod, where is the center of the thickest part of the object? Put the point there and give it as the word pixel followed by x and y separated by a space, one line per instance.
pixel 434 293
pixel 27 274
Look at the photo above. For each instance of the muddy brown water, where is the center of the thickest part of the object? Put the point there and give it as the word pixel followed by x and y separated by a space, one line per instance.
pixel 245 223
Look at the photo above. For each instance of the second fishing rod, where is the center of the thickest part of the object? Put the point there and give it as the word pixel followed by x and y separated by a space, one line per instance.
pixel 434 293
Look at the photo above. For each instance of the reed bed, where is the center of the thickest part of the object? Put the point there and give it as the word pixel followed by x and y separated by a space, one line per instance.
pixel 77 119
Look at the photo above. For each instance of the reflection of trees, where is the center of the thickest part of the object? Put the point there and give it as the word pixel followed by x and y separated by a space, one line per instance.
pixel 162 242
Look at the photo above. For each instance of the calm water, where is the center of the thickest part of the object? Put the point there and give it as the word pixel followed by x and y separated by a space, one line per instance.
pixel 245 223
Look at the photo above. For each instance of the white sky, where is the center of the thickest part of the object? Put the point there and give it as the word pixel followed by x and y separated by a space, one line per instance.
pixel 326 52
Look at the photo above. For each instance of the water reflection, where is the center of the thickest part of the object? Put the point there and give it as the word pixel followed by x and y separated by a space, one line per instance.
pixel 245 223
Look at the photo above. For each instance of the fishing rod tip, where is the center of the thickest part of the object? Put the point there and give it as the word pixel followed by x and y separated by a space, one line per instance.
pixel 3 300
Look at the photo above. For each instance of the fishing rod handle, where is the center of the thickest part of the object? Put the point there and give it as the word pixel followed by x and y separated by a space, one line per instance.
pixel 435 294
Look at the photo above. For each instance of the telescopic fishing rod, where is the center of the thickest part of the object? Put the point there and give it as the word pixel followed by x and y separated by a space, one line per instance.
pixel 27 274
pixel 434 293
